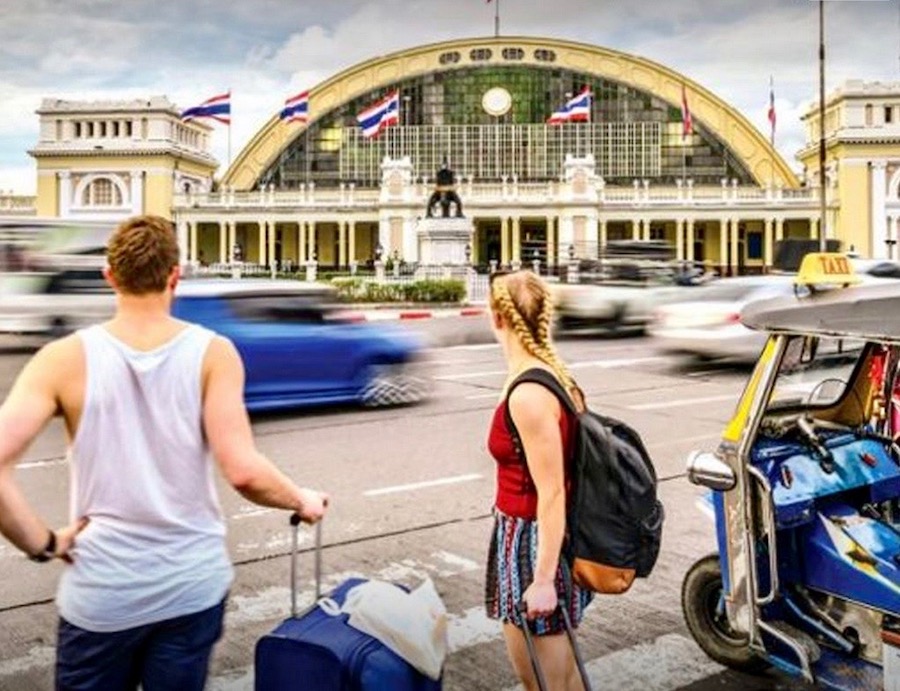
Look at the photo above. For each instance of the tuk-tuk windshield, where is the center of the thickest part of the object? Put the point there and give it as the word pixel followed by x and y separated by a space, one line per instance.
pixel 815 370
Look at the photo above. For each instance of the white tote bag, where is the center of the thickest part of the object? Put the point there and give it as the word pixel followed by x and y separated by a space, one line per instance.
pixel 413 625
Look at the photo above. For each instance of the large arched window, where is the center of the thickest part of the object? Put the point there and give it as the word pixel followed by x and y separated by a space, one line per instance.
pixel 101 192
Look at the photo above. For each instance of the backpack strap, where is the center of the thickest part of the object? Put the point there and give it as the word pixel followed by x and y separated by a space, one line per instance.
pixel 540 376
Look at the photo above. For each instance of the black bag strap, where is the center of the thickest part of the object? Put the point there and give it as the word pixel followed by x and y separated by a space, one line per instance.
pixel 538 375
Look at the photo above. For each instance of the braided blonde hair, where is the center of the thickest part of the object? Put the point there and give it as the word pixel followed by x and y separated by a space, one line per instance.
pixel 525 303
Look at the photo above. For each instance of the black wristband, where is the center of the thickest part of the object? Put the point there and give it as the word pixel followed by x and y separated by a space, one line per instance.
pixel 49 552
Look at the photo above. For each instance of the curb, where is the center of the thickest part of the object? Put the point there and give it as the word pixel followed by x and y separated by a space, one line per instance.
pixel 408 315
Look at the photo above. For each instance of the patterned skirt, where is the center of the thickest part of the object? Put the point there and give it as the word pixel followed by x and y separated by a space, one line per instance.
pixel 510 570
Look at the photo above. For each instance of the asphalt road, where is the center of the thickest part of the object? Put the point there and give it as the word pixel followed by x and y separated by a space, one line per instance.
pixel 412 490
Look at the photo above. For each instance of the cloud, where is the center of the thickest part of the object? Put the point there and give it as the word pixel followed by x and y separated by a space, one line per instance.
pixel 269 49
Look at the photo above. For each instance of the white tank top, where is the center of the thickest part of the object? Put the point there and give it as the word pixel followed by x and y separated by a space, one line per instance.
pixel 141 472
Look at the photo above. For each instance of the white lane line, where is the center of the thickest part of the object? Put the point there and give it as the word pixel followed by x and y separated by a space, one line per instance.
pixel 684 440
pixel 602 364
pixel 251 512
pixel 422 485
pixel 482 396
pixel 670 662
pixel 682 402
pixel 46 463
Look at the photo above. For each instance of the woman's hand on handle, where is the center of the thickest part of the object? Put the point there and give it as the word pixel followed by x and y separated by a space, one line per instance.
pixel 540 599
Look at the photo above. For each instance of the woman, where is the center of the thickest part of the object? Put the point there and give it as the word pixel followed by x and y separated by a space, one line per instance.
pixel 524 563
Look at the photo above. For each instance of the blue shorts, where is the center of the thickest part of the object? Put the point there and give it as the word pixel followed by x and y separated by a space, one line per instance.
pixel 170 655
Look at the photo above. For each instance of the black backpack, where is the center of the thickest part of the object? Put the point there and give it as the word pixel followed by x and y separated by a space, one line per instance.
pixel 614 524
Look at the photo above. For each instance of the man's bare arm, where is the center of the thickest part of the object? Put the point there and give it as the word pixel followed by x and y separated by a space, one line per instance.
pixel 31 404
pixel 230 438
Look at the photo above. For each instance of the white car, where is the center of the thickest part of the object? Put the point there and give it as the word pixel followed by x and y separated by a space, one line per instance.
pixel 708 326
pixel 55 301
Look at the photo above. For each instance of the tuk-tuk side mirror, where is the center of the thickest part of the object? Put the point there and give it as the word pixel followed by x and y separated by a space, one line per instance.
pixel 707 469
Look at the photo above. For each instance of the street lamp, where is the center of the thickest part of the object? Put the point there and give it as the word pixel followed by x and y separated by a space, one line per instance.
pixel 468 252
pixel 571 252
pixel 379 252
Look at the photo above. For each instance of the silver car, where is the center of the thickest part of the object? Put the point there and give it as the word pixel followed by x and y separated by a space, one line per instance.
pixel 56 300
pixel 708 326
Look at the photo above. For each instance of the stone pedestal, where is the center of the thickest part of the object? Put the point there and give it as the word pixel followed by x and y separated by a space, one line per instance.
pixel 443 241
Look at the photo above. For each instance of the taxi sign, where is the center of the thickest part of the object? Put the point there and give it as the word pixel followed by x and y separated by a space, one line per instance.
pixel 826 268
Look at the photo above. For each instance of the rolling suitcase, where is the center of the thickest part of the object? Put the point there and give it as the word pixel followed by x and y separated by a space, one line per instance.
pixel 576 651
pixel 315 651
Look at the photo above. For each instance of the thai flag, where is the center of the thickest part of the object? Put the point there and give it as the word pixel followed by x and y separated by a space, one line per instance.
pixel 380 115
pixel 687 120
pixel 577 109
pixel 772 111
pixel 218 108
pixel 296 108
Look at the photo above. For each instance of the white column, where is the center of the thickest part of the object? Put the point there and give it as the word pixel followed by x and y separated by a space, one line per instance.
pixel 262 243
pixel 735 248
pixel 723 244
pixel 779 229
pixel 690 240
pixel 223 242
pixel 351 241
pixel 313 243
pixel 636 229
pixel 814 228
pixel 768 245
pixel 516 239
pixel 679 238
pixel 272 235
pixel 301 242
pixel 879 249
pixel 183 242
pixel 192 231
pixel 603 234
pixel 137 192
pixel 65 193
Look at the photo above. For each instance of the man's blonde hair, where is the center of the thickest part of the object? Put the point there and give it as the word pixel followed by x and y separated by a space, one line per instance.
pixel 141 254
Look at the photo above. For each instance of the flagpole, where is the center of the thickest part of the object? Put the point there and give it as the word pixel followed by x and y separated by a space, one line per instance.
pixel 771 131
pixel 229 127
pixel 496 18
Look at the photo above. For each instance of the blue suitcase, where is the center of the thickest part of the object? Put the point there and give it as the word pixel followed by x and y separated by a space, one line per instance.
pixel 315 651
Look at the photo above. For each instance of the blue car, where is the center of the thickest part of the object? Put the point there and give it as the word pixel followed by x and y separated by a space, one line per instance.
pixel 299 350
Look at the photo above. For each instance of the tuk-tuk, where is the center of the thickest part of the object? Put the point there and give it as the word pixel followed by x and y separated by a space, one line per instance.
pixel 806 492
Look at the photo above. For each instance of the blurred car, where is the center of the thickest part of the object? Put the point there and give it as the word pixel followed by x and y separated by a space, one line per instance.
pixel 621 297
pixel 299 348
pixel 55 298
pixel 875 268
pixel 708 325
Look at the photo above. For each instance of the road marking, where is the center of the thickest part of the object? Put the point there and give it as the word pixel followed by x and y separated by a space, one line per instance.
pixel 681 402
pixel 481 396
pixel 670 662
pixel 39 656
pixel 273 603
pixel 45 463
pixel 422 485
pixel 684 440
pixel 602 364
pixel 251 512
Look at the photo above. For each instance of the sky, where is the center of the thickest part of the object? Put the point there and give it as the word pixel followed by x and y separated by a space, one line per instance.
pixel 267 50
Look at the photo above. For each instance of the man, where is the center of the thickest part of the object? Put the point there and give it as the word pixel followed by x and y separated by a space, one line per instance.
pixel 145 398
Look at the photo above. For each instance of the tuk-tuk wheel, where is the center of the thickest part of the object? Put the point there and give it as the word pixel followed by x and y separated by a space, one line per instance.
pixel 701 595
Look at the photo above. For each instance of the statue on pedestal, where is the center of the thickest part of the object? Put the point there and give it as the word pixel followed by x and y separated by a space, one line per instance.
pixel 445 194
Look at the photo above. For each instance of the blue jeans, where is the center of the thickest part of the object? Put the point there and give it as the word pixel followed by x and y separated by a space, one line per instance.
pixel 170 655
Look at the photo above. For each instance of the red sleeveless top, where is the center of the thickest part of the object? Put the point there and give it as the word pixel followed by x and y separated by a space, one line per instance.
pixel 516 493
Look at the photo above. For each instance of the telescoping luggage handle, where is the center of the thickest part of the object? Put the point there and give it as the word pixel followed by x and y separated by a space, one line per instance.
pixel 535 663
pixel 295 549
